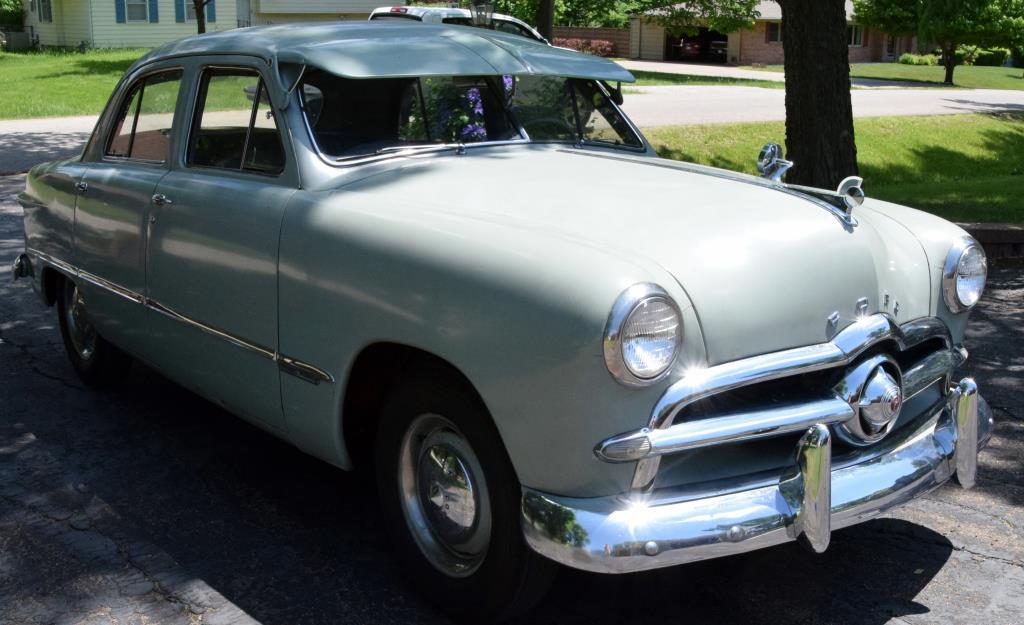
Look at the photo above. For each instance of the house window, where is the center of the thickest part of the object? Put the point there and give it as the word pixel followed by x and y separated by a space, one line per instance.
pixel 137 10
pixel 190 11
pixel 773 32
pixel 855 35
pixel 45 10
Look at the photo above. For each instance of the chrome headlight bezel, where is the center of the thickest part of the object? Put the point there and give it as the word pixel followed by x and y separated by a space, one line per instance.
pixel 625 305
pixel 951 272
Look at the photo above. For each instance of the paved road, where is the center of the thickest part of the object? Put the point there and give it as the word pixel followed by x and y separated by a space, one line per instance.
pixel 26 142
pixel 678 105
pixel 149 505
pixel 724 71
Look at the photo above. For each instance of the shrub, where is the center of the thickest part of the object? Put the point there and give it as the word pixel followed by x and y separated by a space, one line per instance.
pixel 992 57
pixel 918 59
pixel 12 15
pixel 1018 57
pixel 967 55
pixel 597 47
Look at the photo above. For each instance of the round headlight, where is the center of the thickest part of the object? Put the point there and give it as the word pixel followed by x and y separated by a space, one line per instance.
pixel 964 274
pixel 644 333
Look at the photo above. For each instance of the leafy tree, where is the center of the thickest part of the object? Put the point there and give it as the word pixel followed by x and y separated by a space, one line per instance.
pixel 819 112
pixel 722 15
pixel 948 24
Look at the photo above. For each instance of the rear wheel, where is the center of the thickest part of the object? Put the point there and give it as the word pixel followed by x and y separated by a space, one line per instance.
pixel 97 362
pixel 451 502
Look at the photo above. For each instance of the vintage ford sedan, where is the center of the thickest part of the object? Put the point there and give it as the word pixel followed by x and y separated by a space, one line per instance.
pixel 445 254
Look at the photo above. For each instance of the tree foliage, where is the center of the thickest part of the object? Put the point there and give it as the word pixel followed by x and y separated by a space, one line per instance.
pixel 722 15
pixel 947 24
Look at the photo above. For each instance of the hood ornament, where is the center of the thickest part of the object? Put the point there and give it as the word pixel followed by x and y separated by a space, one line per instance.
pixel 841 202
pixel 771 164
pixel 851 193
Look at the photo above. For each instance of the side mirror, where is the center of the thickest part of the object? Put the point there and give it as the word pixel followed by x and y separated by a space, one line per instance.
pixel 771 164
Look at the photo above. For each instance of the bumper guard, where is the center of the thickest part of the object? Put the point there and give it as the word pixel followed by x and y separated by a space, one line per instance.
pixel 643 531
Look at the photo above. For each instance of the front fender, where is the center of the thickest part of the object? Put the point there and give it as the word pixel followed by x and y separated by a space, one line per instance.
pixel 521 315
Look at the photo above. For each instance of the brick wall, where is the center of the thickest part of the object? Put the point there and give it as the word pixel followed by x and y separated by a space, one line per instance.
pixel 618 36
pixel 873 49
pixel 754 48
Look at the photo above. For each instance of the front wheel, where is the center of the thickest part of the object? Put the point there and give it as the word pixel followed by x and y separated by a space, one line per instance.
pixel 451 502
pixel 97 362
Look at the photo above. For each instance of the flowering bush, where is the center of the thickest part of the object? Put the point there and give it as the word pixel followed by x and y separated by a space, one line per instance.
pixel 597 47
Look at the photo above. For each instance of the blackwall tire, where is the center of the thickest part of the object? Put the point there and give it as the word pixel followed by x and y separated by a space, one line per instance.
pixel 455 526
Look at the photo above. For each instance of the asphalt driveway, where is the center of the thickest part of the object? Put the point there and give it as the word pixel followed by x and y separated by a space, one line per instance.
pixel 147 504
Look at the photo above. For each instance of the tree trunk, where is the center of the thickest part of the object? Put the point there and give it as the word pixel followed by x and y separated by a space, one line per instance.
pixel 819 113
pixel 546 18
pixel 200 16
pixel 949 61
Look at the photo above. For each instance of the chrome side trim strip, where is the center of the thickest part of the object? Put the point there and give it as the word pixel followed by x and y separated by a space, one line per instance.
pixel 286 364
pixel 266 352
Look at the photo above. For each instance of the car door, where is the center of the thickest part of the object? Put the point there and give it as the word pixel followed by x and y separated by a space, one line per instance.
pixel 112 213
pixel 212 272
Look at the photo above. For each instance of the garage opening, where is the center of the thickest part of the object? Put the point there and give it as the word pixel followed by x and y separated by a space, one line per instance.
pixel 705 46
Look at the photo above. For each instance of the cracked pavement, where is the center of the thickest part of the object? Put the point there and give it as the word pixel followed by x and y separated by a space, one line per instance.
pixel 147 504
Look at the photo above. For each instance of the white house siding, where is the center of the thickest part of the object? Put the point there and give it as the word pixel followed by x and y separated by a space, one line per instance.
pixel 107 33
pixel 70 25
pixel 323 7
pixel 646 40
pixel 289 18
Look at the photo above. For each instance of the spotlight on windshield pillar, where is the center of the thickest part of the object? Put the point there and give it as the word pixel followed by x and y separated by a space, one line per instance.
pixel 481 13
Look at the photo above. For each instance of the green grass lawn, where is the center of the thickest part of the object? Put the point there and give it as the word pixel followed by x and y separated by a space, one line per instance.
pixel 657 79
pixel 55 83
pixel 971 77
pixel 961 167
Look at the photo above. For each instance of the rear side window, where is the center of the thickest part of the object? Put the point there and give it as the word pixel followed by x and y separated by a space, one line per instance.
pixel 235 125
pixel 146 119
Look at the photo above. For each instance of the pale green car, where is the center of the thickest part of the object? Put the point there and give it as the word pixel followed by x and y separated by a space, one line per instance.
pixel 446 254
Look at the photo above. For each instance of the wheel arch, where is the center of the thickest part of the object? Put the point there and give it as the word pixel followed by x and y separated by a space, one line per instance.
pixel 50 281
pixel 375 372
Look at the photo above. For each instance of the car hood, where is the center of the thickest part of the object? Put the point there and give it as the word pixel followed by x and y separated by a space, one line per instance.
pixel 765 269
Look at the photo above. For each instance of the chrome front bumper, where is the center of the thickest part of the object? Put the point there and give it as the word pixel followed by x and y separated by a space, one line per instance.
pixel 655 529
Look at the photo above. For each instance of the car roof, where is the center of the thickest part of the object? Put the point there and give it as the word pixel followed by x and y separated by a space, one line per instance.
pixel 394 49
pixel 445 12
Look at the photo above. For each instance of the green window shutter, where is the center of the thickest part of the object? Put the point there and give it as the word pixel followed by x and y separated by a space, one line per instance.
pixel 154 11
pixel 179 11
pixel 119 12
pixel 211 11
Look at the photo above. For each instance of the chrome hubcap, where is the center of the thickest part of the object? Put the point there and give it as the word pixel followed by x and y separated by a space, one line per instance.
pixel 444 496
pixel 80 329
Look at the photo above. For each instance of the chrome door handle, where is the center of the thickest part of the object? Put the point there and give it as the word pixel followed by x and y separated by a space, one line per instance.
pixel 82 186
pixel 161 200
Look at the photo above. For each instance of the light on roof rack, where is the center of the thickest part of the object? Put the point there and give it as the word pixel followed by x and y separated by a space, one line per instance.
pixel 399 10
pixel 480 13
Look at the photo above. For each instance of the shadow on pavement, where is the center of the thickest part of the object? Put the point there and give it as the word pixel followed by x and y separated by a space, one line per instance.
pixel 19 151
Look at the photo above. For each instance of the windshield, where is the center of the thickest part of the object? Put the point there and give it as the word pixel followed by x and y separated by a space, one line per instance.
pixel 355 118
